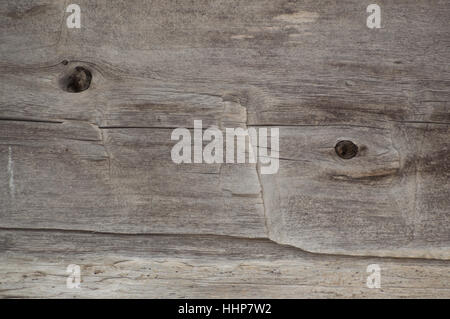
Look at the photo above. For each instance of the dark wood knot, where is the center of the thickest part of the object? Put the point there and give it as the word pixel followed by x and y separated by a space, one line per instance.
pixel 78 80
pixel 346 149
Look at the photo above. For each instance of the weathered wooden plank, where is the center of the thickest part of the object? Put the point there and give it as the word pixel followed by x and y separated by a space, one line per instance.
pixel 115 265
pixel 392 197
pixel 74 176
pixel 129 183
pixel 307 69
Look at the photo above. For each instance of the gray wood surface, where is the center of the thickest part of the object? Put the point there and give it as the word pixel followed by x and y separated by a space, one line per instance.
pixel 86 178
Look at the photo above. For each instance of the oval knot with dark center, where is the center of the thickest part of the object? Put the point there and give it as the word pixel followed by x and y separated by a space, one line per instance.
pixel 78 80
pixel 346 149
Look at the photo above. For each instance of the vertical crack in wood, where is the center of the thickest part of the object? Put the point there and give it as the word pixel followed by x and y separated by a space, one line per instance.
pixel 416 181
pixel 266 223
pixel 62 30
pixel 103 137
pixel 405 203
pixel 11 173
pixel 258 173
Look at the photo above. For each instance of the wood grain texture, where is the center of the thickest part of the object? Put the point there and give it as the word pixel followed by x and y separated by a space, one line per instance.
pixel 174 266
pixel 87 177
